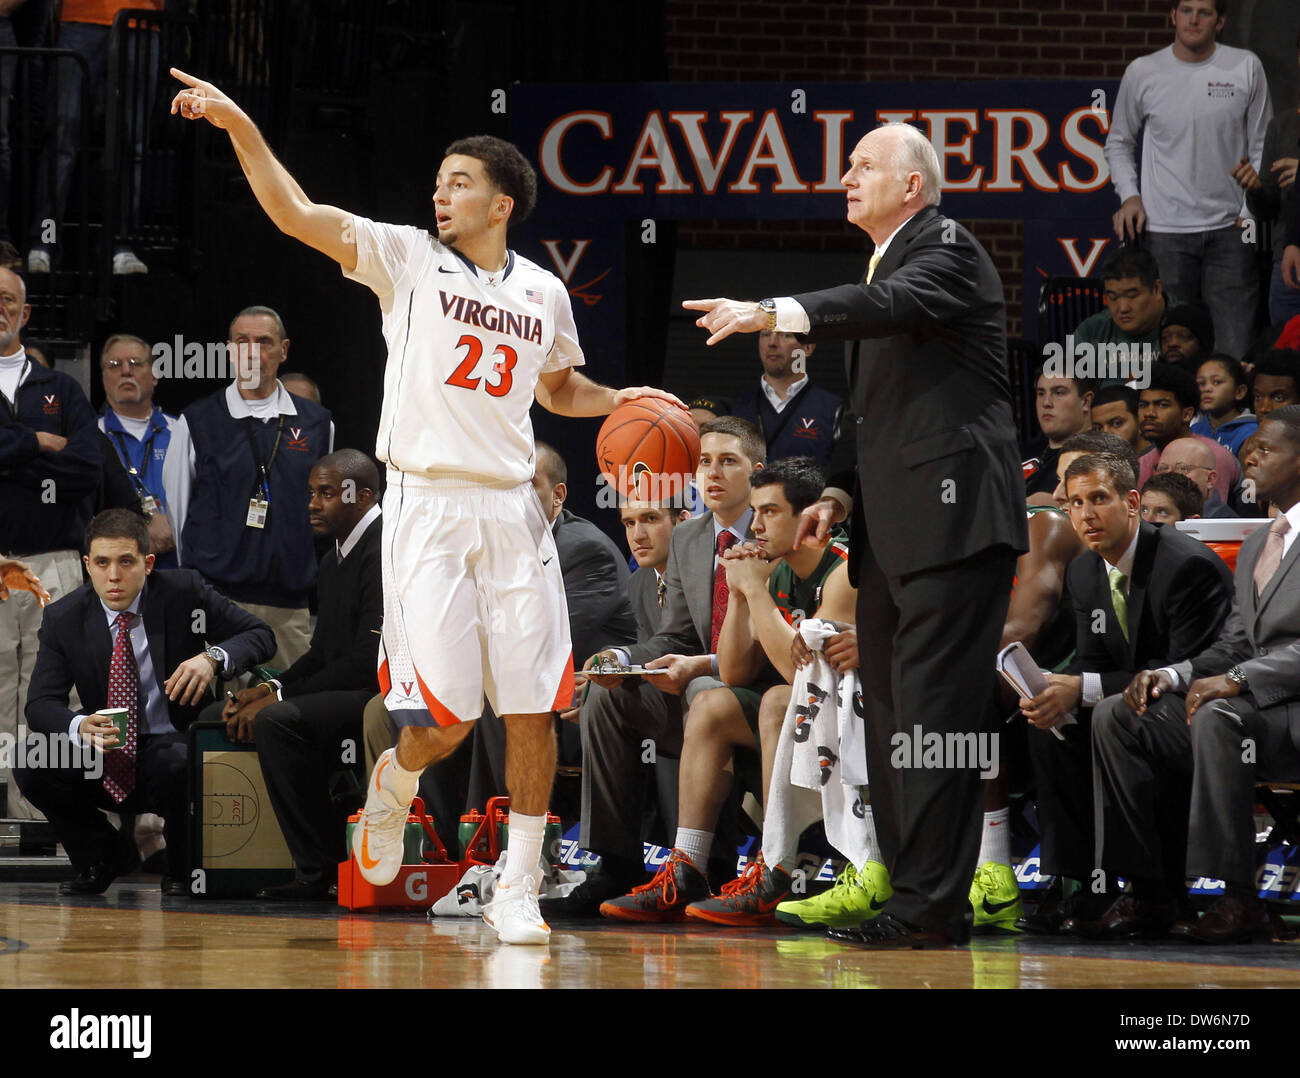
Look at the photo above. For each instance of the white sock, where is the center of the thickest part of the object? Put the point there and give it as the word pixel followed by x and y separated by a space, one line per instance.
pixel 695 845
pixel 873 847
pixel 524 847
pixel 399 782
pixel 995 840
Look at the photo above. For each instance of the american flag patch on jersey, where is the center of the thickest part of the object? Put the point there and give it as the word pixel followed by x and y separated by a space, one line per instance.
pixel 532 295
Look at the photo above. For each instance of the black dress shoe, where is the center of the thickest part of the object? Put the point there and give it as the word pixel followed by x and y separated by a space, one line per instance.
pixel 91 881
pixel 887 932
pixel 1131 918
pixel 297 891
pixel 175 887
pixel 1229 920
pixel 585 900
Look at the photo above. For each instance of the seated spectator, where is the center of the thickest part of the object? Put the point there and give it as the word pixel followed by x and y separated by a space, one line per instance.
pixel 1115 411
pixel 1224 415
pixel 1186 336
pixel 301 386
pixel 1166 408
pixel 114 641
pixel 1088 441
pixel 1062 406
pixel 772 587
pixel 1276 382
pixel 1169 497
pixel 795 417
pixel 1162 594
pixel 704 409
pixel 620 714
pixel 302 721
pixel 1193 458
pixel 1135 303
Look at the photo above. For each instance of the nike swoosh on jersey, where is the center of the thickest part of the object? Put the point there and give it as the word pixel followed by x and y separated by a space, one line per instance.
pixel 444 269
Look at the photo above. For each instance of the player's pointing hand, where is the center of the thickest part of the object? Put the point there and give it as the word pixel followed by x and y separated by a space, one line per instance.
pixel 723 317
pixel 202 101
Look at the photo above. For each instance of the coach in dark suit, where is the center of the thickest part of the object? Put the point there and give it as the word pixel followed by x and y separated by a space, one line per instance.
pixel 168 618
pixel 1143 596
pixel 938 509
pixel 1243 696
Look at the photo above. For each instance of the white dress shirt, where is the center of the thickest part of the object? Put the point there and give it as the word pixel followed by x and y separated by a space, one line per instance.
pixel 1090 690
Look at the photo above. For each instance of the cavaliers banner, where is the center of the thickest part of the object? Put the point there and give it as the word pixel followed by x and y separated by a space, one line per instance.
pixel 614 159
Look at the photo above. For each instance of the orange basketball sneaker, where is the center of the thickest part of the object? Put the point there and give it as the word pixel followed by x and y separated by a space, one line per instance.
pixel 750 899
pixel 675 886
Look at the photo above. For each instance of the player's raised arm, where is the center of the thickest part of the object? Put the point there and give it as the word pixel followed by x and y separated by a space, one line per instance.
pixel 566 392
pixel 326 228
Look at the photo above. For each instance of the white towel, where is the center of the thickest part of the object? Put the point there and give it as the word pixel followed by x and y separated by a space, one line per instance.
pixel 820 761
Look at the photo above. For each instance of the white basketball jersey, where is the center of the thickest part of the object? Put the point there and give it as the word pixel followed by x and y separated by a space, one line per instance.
pixel 465 349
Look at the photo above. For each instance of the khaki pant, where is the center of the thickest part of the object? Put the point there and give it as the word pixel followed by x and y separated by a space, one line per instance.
pixel 20 618
pixel 292 628
pixel 378 731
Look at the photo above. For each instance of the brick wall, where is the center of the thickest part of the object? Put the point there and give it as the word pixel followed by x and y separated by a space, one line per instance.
pixel 897 40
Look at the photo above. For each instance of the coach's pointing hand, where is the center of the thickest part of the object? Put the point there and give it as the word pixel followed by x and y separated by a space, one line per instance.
pixel 723 317
pixel 203 101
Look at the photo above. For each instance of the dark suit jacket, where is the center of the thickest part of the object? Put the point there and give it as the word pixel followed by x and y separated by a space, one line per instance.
pixel 1178 598
pixel 76 645
pixel 595 585
pixel 344 649
pixel 643 594
pixel 1262 633
pixel 938 471
pixel 686 625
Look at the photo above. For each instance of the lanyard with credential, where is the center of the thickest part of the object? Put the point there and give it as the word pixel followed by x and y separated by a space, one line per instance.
pixel 132 470
pixel 264 470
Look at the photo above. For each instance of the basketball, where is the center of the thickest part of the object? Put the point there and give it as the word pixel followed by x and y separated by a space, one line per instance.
pixel 648 449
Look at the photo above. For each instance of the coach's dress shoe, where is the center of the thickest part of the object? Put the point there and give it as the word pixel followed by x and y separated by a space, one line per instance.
pixel 888 932
pixel 297 891
pixel 91 881
pixel 1229 920
pixel 175 887
pixel 1131 918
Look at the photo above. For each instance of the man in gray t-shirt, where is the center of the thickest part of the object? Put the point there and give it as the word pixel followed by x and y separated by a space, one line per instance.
pixel 1200 107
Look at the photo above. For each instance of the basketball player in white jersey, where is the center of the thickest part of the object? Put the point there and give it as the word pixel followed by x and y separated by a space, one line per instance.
pixel 472 586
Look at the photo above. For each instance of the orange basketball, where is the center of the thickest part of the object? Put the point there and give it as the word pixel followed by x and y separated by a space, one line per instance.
pixel 648 449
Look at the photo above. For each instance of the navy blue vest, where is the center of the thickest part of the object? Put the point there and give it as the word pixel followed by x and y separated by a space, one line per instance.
pixel 804 428
pixel 275 565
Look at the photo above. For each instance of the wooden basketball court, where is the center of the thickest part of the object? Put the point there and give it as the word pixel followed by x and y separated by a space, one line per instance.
pixel 133 938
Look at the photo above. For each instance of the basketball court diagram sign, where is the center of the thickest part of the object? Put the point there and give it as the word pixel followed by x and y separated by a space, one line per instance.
pixel 239 828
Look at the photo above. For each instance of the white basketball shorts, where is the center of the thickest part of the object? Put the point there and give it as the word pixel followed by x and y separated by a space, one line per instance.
pixel 473 603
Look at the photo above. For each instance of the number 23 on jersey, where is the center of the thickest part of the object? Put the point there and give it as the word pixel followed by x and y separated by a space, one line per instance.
pixel 464 376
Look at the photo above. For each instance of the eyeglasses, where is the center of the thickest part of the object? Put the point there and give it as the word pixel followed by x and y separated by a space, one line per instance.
pixel 133 363
pixel 1185 469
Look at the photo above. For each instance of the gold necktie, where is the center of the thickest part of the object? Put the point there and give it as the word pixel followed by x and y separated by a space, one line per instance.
pixel 1119 600
pixel 663 590
pixel 871 266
